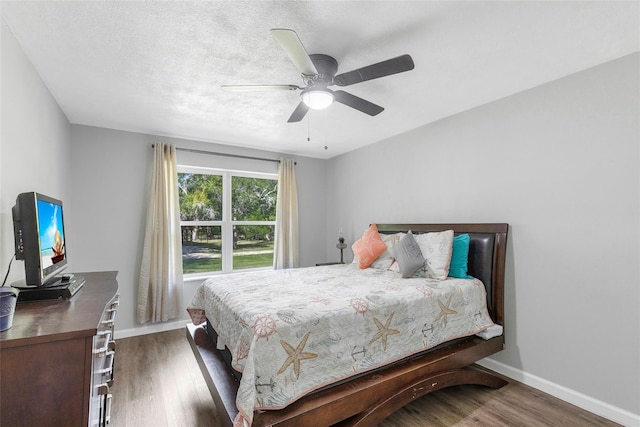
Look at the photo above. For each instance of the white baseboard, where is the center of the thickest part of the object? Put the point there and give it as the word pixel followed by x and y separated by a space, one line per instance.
pixel 583 401
pixel 151 329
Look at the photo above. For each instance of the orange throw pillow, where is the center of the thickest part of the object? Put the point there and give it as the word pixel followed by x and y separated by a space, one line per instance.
pixel 369 247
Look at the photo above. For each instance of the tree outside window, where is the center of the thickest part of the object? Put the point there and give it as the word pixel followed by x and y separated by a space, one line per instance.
pixel 227 220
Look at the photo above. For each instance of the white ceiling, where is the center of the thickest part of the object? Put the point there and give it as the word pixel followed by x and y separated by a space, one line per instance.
pixel 157 67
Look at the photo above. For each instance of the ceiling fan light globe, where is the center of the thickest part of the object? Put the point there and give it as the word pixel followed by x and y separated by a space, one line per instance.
pixel 317 99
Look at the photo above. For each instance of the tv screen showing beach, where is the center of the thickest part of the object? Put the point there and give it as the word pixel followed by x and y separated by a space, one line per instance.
pixel 51 233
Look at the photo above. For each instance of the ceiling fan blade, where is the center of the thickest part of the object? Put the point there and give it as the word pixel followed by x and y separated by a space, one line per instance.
pixel 290 42
pixel 374 71
pixel 357 103
pixel 299 113
pixel 258 88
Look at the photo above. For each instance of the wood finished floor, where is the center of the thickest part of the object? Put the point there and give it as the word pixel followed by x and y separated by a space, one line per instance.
pixel 158 383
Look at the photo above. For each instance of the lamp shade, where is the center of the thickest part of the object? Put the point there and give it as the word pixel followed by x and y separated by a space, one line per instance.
pixel 317 99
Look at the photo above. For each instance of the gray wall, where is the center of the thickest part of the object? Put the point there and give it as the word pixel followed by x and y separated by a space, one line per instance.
pixel 110 179
pixel 560 163
pixel 35 143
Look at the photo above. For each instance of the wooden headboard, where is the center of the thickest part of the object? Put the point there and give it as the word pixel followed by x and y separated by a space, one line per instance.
pixel 487 253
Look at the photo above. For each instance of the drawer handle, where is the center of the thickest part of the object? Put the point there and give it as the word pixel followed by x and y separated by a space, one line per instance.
pixel 116 302
pixel 112 317
pixel 102 351
pixel 107 415
pixel 109 369
pixel 103 389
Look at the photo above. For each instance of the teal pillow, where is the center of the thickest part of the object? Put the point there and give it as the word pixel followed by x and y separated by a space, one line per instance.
pixel 460 257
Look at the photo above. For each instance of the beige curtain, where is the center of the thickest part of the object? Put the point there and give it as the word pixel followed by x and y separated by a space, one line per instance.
pixel 286 240
pixel 160 283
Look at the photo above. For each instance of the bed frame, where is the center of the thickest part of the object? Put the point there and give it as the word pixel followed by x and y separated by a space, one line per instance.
pixel 369 398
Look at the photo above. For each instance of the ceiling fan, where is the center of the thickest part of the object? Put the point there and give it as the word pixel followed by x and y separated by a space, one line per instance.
pixel 319 72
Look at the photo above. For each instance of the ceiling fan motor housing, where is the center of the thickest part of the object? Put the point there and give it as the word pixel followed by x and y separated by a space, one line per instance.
pixel 327 67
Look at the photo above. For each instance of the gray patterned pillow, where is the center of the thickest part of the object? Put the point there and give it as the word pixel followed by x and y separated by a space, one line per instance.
pixel 408 255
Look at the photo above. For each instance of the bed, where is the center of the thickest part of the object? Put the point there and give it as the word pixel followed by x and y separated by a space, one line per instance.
pixel 384 375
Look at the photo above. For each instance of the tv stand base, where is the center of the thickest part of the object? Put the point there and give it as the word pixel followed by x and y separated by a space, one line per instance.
pixel 58 291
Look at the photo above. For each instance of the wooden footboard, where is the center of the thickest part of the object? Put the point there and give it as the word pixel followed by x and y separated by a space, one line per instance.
pixel 364 401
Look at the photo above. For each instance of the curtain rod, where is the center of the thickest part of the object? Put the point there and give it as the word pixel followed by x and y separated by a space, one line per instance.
pixel 240 156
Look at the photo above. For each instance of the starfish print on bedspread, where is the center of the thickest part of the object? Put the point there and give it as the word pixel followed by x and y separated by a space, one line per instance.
pixel 295 355
pixel 383 332
pixel 445 311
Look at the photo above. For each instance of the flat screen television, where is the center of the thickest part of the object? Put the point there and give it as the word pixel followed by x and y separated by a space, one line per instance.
pixel 38 225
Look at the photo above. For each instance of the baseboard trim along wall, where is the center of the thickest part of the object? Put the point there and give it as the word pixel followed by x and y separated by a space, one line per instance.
pixel 151 328
pixel 583 401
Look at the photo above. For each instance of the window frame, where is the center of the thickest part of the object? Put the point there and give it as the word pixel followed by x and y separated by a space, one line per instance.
pixel 227 223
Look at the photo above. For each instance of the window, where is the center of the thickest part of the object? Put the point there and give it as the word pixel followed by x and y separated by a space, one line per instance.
pixel 227 219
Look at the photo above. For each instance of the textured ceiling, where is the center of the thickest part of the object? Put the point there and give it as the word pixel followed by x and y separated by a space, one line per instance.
pixel 157 67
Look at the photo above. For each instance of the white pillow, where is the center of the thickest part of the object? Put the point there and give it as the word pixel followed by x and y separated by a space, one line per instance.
pixel 436 248
pixel 384 261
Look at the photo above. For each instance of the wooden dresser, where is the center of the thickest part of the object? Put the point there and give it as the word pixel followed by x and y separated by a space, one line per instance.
pixel 56 361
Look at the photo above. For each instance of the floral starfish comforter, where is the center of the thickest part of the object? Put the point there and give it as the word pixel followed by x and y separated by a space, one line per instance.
pixel 293 331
